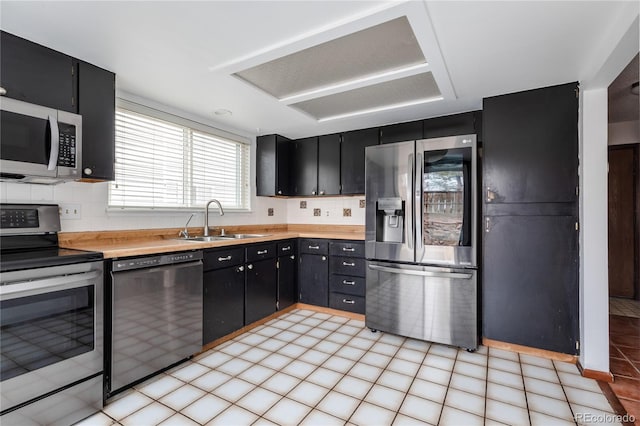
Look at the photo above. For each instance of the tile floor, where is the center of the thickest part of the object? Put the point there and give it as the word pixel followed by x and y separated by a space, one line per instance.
pixel 624 352
pixel 312 368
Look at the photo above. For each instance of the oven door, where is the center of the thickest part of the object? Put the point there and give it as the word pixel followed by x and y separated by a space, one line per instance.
pixel 51 329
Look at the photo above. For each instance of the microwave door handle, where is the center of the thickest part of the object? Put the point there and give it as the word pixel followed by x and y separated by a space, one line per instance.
pixel 15 289
pixel 55 143
pixel 408 208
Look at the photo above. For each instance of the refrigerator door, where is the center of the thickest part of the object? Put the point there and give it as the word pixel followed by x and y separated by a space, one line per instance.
pixel 428 303
pixel 389 222
pixel 445 201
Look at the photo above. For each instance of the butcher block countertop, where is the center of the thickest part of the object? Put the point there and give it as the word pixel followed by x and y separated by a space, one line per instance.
pixel 115 244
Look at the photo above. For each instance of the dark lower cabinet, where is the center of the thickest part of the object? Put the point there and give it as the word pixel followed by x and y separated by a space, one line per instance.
pixel 223 302
pixel 96 104
pixel 530 281
pixel 347 268
pixel 313 279
pixel 261 290
pixel 287 274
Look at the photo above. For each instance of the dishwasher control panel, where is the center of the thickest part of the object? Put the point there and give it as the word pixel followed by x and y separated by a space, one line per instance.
pixel 151 261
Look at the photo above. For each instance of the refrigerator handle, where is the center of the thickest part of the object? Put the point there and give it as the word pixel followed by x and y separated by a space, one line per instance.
pixel 419 205
pixel 455 275
pixel 408 209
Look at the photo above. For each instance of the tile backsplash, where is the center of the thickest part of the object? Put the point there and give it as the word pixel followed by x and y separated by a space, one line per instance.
pixel 93 214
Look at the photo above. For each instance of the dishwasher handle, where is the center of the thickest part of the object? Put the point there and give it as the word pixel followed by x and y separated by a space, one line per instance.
pixel 147 262
pixel 152 269
pixel 456 275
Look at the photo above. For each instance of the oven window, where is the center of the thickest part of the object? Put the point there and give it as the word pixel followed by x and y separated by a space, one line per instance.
pixel 24 138
pixel 40 330
pixel 447 197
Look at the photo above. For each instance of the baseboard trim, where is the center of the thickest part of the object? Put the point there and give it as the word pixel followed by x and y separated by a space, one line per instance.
pixel 527 350
pixel 330 311
pixel 603 376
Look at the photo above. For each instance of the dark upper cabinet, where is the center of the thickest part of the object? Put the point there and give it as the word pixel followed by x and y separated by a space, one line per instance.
pixel 272 165
pixel 96 104
pixel 36 74
pixel 304 167
pixel 452 125
pixel 530 281
pixel 401 132
pixel 329 165
pixel 352 158
pixel 531 146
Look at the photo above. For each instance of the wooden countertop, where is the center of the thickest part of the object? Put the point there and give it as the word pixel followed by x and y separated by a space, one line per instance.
pixel 114 244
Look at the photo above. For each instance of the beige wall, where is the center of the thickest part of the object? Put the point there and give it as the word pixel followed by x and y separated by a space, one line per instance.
pixel 624 132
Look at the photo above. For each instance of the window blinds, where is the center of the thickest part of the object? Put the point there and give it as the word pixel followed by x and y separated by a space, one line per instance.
pixel 165 165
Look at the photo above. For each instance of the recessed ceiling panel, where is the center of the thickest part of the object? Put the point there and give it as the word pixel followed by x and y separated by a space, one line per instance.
pixel 388 46
pixel 403 90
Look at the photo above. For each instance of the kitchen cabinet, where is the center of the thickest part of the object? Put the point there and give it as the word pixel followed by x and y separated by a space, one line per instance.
pixel 347 276
pixel 261 285
pixel 453 125
pixel 304 167
pixel 287 268
pixel 223 292
pixel 352 158
pixel 530 226
pixel 96 104
pixel 401 132
pixel 272 165
pixel 313 272
pixel 36 74
pixel 329 164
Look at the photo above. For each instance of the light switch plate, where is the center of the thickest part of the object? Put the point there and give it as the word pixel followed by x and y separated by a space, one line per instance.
pixel 70 211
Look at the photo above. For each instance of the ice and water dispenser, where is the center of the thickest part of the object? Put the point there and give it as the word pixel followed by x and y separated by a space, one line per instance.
pixel 390 220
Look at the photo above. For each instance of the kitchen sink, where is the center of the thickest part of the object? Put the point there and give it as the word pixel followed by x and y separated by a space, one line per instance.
pixel 226 237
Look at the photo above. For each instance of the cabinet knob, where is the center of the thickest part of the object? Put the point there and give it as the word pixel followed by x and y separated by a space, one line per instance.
pixel 87 171
pixel 241 269
pixel 249 266
pixel 324 257
pixel 313 192
pixel 279 192
pixel 321 192
pixel 292 257
pixel 3 91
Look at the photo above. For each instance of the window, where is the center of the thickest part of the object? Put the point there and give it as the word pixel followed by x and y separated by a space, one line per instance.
pixel 176 164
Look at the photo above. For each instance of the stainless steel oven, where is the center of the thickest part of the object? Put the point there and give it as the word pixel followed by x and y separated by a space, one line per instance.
pixel 39 144
pixel 51 323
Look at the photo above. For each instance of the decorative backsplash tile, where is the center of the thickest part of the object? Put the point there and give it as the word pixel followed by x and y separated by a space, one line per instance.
pixel 346 212
pixel 303 204
pixel 270 211
pixel 362 204
pixel 317 212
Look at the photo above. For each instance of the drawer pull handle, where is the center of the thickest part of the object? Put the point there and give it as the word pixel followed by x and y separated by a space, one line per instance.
pixel 348 264
pixel 349 302
pixel 263 251
pixel 314 247
pixel 345 282
pixel 348 249
pixel 222 259
pixel 287 248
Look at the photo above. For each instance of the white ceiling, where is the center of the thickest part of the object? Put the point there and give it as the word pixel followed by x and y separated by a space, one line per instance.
pixel 182 54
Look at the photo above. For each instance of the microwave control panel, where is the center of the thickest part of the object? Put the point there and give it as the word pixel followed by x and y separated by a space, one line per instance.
pixel 67 151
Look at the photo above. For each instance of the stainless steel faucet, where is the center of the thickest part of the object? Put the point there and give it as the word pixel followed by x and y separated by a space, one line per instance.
pixel 206 215
pixel 185 232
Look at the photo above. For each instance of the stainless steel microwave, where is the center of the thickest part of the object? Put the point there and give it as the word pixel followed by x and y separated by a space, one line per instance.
pixel 39 144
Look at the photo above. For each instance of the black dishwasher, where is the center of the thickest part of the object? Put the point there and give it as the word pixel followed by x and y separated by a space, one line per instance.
pixel 155 317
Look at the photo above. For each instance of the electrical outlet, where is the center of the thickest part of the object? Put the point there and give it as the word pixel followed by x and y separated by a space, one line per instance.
pixel 70 211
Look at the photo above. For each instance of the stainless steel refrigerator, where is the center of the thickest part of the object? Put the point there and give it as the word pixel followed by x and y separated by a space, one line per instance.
pixel 421 239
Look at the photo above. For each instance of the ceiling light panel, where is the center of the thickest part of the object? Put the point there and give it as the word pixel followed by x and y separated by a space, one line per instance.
pixel 379 49
pixel 402 91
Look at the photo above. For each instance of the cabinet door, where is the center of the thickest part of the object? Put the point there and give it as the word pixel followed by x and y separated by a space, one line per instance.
pixel 96 104
pixel 287 288
pixel 261 290
pixel 352 158
pixel 530 281
pixel 530 152
pixel 313 279
pixel 33 73
pixel 452 125
pixel 272 165
pixel 304 167
pixel 329 165
pixel 401 132
pixel 223 302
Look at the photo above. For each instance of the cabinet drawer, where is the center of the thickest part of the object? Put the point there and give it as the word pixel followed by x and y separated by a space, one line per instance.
pixel 348 266
pixel 346 248
pixel 347 285
pixel 261 251
pixel 286 248
pixel 223 258
pixel 346 302
pixel 314 246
